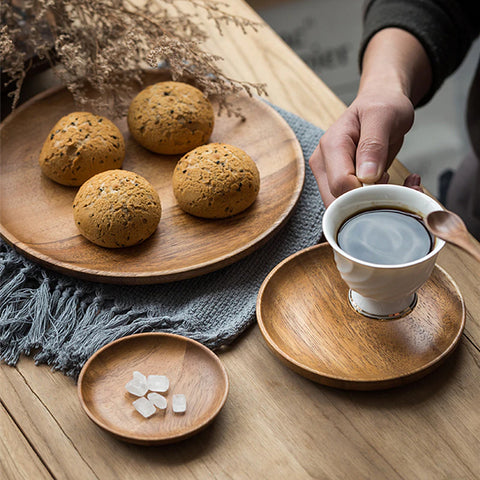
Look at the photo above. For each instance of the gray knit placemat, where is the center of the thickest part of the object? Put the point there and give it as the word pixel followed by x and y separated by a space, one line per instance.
pixel 62 321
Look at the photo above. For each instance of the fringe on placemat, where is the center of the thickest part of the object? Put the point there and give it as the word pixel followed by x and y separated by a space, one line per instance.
pixel 61 323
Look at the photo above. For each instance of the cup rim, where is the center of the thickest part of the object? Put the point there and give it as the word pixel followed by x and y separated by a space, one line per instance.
pixel 439 243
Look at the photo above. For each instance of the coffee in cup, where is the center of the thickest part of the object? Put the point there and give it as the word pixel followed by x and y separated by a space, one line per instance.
pixel 386 236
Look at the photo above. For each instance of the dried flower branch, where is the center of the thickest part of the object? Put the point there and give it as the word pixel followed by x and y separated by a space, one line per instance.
pixel 100 47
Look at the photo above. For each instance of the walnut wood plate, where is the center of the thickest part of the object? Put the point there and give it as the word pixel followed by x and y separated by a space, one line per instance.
pixel 307 321
pixel 36 213
pixel 192 369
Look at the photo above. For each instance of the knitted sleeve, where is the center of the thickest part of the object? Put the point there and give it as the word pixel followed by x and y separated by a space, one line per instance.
pixel 445 28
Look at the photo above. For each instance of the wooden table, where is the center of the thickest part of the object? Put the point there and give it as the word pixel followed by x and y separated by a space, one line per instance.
pixel 275 424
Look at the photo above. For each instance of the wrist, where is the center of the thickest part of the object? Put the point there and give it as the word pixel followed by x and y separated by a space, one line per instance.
pixel 395 61
pixel 383 80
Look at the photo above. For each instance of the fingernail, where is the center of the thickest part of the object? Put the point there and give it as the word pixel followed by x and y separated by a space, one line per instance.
pixel 367 171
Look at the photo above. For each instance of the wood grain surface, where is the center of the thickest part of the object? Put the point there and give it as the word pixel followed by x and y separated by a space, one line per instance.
pixel 275 424
pixel 191 368
pixel 318 334
pixel 36 214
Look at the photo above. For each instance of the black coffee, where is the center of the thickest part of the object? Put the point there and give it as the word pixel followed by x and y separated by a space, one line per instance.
pixel 385 236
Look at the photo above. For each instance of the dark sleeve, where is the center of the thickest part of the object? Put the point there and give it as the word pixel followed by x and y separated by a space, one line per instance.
pixel 445 28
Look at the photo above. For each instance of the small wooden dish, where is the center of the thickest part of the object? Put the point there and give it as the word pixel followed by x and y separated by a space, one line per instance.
pixel 306 319
pixel 36 213
pixel 192 369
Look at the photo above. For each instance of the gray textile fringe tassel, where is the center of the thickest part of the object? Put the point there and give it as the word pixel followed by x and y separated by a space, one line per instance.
pixel 62 321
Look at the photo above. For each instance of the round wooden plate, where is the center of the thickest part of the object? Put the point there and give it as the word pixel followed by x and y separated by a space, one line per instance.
pixel 192 369
pixel 307 321
pixel 36 213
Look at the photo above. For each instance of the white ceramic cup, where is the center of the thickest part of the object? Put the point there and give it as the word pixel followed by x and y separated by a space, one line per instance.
pixel 380 291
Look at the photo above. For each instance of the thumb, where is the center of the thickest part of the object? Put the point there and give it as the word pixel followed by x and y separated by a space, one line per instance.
pixel 372 152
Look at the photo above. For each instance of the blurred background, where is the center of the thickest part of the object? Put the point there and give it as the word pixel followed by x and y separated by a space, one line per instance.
pixel 326 35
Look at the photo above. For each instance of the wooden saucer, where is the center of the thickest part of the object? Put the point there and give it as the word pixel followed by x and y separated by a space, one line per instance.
pixel 192 369
pixel 306 319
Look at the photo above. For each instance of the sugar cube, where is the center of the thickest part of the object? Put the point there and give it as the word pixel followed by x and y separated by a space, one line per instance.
pixel 136 387
pixel 158 400
pixel 179 403
pixel 158 383
pixel 140 377
pixel 144 406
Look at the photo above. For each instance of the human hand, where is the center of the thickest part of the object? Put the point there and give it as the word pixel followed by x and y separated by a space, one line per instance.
pixel 362 144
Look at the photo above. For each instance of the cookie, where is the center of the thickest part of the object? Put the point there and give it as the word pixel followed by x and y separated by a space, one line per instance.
pixel 117 209
pixel 79 146
pixel 170 118
pixel 215 181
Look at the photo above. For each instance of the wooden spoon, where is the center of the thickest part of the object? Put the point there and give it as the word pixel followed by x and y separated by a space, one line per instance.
pixel 450 227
